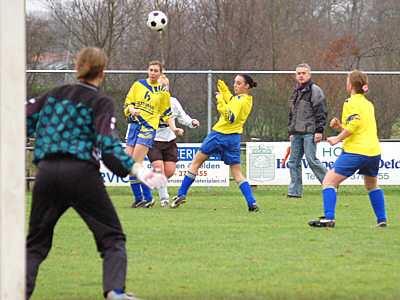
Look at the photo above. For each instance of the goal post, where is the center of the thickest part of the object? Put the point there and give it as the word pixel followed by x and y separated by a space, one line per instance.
pixel 12 149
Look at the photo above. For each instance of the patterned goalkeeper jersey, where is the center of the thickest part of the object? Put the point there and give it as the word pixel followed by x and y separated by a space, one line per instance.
pixel 77 120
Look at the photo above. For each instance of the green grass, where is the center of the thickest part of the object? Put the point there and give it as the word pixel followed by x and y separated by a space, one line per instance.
pixel 212 248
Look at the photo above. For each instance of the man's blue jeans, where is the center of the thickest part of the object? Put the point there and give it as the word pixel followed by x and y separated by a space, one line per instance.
pixel 303 144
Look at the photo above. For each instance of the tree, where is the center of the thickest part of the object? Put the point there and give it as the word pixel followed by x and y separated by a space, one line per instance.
pixel 94 23
pixel 236 35
pixel 39 41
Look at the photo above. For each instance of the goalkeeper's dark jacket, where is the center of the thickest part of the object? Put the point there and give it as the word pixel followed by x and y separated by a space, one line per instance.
pixel 307 110
pixel 77 120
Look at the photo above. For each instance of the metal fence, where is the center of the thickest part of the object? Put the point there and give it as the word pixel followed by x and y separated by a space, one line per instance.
pixel 195 90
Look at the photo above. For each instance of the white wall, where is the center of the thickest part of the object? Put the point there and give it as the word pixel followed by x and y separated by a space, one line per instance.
pixel 12 142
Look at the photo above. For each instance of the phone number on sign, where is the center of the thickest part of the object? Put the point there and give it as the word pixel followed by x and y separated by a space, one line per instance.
pixel 381 176
pixel 199 173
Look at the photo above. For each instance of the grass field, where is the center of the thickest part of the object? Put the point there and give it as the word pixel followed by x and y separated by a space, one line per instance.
pixel 212 248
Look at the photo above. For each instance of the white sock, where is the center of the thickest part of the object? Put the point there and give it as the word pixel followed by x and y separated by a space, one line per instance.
pixel 163 192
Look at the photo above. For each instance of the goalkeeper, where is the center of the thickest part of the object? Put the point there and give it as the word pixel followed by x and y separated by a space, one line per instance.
pixel 224 139
pixel 74 124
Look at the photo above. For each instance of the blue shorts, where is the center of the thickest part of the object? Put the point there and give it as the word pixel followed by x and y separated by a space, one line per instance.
pixel 140 134
pixel 348 163
pixel 225 145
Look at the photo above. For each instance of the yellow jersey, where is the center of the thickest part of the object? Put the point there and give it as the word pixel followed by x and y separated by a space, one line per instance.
pixel 233 110
pixel 358 117
pixel 152 100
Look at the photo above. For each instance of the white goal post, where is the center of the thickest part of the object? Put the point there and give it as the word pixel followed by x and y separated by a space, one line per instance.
pixel 12 150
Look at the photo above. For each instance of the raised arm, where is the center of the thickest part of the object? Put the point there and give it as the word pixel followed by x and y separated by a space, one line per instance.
pixel 224 91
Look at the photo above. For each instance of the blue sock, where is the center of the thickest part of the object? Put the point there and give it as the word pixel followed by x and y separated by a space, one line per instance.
pixel 186 183
pixel 146 192
pixel 136 188
pixel 378 204
pixel 245 188
pixel 118 291
pixel 329 198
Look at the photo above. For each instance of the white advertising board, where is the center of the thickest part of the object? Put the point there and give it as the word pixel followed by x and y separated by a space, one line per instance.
pixel 212 173
pixel 264 164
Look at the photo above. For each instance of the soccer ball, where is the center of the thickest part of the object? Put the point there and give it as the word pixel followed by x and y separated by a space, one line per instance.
pixel 157 20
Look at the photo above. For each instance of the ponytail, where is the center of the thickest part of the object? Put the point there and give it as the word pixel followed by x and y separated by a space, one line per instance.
pixel 358 81
pixel 90 63
pixel 248 80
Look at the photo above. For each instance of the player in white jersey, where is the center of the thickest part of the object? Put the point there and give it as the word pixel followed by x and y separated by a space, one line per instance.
pixel 164 154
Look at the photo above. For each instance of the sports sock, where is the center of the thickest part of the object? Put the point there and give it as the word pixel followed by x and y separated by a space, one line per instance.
pixel 245 188
pixel 146 192
pixel 329 197
pixel 136 188
pixel 118 291
pixel 377 200
pixel 186 183
pixel 163 192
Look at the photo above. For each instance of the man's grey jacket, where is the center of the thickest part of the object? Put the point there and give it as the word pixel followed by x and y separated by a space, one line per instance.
pixel 307 110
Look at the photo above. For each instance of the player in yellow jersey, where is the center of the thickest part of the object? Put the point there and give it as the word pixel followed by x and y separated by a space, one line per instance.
pixel 224 139
pixel 147 101
pixel 164 153
pixel 361 152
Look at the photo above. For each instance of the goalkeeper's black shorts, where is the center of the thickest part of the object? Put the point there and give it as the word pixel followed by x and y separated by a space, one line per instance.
pixel 63 182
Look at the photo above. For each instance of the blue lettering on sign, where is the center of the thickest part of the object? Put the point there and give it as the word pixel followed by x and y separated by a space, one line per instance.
pixel 305 163
pixel 383 164
pixel 188 153
pixel 332 151
pixel 389 164
pixel 111 177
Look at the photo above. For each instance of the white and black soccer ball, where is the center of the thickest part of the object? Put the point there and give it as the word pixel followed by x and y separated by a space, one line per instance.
pixel 157 20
